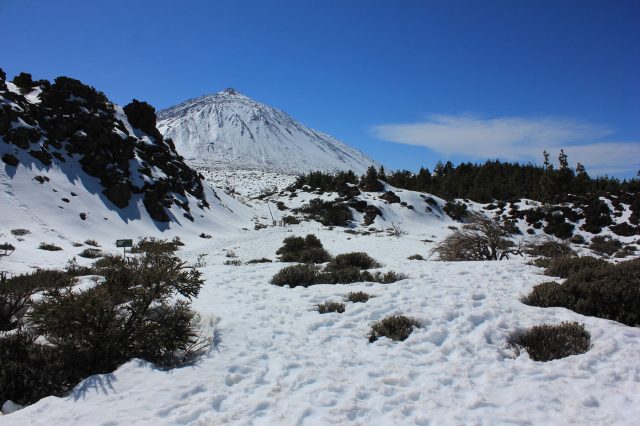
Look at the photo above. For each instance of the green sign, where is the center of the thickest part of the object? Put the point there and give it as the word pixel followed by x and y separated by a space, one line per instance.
pixel 124 243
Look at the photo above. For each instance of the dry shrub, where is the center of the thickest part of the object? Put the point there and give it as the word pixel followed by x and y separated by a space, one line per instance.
pixel 49 247
pixel 358 297
pixel 396 327
pixel 564 266
pixel 480 239
pixel 358 260
pixel 325 308
pixel 548 342
pixel 605 245
pixel 605 291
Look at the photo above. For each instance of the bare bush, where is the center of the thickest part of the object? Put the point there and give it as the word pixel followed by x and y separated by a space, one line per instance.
pixel 481 238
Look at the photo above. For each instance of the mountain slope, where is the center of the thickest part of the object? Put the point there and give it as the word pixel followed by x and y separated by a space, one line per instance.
pixel 74 165
pixel 228 130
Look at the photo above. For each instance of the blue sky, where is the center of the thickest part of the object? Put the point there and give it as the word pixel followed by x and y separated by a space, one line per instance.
pixel 407 82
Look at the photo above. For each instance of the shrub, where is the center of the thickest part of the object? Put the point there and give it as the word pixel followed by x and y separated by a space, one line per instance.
pixel 577 239
pixel 92 243
pixel 307 250
pixel 456 210
pixel 154 245
pixel 325 308
pixel 548 342
pixel 358 297
pixel 547 295
pixel 415 257
pixel 548 247
pixel 90 253
pixel 108 261
pixel 329 213
pixel 605 291
pixel 30 371
pixel 20 232
pixel 233 262
pixel 296 275
pixel 205 236
pixel 397 327
pixel 49 247
pixel 24 82
pixel 605 244
pixel 133 314
pixel 261 260
pixel 290 220
pixel 480 239
pixel 357 260
pixel 564 266
pixel 16 292
pixel 6 247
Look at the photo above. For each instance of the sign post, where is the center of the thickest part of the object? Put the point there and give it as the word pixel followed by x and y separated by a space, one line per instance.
pixel 124 244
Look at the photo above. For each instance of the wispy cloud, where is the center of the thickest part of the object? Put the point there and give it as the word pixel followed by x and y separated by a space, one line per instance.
pixel 516 138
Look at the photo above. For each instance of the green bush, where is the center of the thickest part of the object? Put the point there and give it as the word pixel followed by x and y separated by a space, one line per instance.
pixel 30 371
pixel 548 342
pixel 606 291
pixel 564 266
pixel 358 297
pixel 325 308
pixel 306 250
pixel 357 260
pixel 397 327
pixel 16 292
pixel 134 313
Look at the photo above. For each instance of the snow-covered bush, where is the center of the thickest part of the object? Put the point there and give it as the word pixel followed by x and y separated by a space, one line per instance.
pixel 154 245
pixel 396 327
pixel 548 342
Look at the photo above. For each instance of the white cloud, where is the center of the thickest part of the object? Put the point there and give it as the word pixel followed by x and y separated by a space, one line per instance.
pixel 514 138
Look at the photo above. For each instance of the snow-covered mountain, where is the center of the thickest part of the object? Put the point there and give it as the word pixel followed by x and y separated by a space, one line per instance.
pixel 228 130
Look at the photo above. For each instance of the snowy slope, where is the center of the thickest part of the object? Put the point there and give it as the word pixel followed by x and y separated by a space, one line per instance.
pixel 228 130
pixel 280 362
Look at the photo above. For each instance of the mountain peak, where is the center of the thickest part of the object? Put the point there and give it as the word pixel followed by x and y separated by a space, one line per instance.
pixel 229 130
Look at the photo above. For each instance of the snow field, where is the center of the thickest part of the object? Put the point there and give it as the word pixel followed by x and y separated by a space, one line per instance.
pixel 280 362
